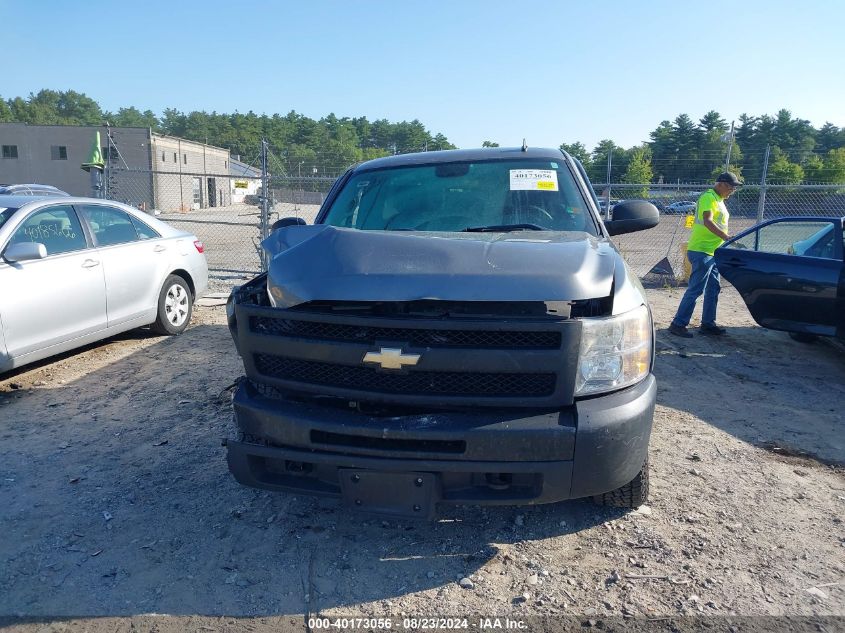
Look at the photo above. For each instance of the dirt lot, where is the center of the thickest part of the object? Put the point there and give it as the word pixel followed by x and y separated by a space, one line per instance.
pixel 116 502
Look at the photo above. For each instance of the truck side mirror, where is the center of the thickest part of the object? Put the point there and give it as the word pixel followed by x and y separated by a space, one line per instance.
pixel 283 222
pixel 632 215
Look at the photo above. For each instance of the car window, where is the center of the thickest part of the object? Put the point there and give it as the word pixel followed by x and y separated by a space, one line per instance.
pixel 144 232
pixel 455 196
pixel 109 225
pixel 6 214
pixel 57 228
pixel 804 238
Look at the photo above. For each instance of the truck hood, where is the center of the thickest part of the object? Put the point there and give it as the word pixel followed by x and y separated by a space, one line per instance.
pixel 322 262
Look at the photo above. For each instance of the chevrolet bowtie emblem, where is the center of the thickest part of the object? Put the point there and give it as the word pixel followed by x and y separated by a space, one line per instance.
pixel 391 358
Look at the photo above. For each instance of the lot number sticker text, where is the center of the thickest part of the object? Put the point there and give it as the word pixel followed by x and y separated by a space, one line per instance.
pixel 533 180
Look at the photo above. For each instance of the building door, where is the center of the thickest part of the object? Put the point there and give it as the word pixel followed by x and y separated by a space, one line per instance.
pixel 212 193
pixel 197 202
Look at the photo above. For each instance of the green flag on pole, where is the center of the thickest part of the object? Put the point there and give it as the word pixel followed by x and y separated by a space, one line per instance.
pixel 96 156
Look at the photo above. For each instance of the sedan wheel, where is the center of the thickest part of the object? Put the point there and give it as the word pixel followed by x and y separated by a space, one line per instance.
pixel 175 306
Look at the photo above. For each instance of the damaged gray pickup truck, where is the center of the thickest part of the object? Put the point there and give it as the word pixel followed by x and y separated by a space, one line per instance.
pixel 455 328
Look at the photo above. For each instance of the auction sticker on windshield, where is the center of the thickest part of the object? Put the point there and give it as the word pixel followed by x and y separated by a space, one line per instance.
pixel 533 180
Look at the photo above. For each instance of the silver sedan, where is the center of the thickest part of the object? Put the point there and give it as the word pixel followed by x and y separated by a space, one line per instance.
pixel 77 270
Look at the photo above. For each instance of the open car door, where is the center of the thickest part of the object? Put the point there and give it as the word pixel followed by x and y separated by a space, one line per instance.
pixel 790 274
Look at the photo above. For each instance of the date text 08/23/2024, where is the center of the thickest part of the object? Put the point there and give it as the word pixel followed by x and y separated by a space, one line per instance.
pixel 415 623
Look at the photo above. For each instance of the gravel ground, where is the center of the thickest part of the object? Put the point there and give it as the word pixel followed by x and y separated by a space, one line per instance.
pixel 116 503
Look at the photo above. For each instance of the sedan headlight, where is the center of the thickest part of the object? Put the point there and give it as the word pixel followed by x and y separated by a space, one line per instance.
pixel 615 352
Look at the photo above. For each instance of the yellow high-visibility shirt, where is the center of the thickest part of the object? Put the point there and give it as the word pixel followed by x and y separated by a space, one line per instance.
pixel 702 240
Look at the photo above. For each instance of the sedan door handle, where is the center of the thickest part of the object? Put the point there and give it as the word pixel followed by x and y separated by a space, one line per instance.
pixel 735 262
pixel 159 249
pixel 90 263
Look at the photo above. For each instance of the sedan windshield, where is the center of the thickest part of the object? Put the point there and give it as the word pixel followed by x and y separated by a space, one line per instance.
pixel 5 214
pixel 500 195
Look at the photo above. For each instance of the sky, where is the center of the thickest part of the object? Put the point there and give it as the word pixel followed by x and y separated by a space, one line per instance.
pixel 552 72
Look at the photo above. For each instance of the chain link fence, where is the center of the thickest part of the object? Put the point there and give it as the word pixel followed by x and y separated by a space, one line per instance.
pixel 225 212
pixel 228 213
pixel 657 255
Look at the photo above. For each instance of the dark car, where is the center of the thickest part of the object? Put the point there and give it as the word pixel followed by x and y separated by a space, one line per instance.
pixel 456 327
pixel 790 274
pixel 31 189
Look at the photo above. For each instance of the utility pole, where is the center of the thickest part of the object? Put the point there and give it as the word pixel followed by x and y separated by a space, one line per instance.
pixel 107 160
pixel 607 199
pixel 265 202
pixel 761 204
pixel 301 196
pixel 730 147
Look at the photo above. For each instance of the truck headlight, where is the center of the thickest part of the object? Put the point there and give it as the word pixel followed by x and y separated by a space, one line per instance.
pixel 615 352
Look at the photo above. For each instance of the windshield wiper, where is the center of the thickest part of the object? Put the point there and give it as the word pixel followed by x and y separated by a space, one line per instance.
pixel 504 228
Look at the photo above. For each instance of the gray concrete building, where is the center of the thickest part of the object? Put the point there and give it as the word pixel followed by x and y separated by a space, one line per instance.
pixel 53 154
pixel 189 175
pixel 142 168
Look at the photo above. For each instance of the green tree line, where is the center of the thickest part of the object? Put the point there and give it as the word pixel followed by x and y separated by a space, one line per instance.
pixel 687 151
pixel 303 145
pixel 681 150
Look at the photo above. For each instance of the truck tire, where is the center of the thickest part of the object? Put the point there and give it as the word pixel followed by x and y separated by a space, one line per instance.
pixel 175 306
pixel 631 495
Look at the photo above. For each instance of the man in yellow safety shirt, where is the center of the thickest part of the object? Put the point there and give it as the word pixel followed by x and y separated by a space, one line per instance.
pixel 708 233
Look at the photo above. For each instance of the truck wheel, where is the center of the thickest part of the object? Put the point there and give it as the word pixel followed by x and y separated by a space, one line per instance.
pixel 175 306
pixel 631 495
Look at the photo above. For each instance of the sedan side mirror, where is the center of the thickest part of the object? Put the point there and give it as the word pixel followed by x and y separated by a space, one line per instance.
pixel 24 251
pixel 282 223
pixel 632 215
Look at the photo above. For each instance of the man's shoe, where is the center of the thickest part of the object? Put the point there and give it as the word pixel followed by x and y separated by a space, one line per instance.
pixel 712 330
pixel 678 330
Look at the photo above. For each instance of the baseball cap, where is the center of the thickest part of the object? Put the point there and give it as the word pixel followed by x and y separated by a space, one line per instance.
pixel 729 178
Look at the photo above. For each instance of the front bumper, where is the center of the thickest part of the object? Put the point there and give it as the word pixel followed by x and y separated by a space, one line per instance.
pixel 476 457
